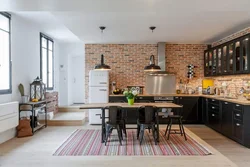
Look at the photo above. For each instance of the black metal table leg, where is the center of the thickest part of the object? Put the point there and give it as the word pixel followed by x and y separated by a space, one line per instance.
pixel 103 125
pixel 45 108
pixel 33 119
pixel 157 124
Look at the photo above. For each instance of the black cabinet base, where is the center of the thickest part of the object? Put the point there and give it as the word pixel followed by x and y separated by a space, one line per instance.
pixel 231 137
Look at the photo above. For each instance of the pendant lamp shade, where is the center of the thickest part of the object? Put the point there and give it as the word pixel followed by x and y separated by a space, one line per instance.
pixel 102 66
pixel 152 66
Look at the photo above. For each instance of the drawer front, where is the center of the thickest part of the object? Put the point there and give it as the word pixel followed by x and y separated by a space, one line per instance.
pixel 238 107
pixel 213 107
pixel 214 120
pixel 213 101
pixel 238 115
pixel 238 128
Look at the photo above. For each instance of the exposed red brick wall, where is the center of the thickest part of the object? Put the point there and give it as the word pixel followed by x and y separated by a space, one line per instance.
pixel 126 60
pixel 178 56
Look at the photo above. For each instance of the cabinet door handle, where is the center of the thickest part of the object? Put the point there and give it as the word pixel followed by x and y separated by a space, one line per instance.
pixel 180 97
pixel 102 82
pixel 238 115
pixel 226 102
pixel 213 100
pixel 237 124
pixel 213 115
pixel 104 90
pixel 213 107
pixel 176 97
pixel 237 105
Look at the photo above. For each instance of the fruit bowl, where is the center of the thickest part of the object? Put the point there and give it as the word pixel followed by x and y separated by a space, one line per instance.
pixel 117 91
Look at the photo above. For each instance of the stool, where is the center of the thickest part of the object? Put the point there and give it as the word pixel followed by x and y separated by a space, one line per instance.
pixel 177 117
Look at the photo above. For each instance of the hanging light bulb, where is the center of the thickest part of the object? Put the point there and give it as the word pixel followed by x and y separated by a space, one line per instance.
pixel 102 66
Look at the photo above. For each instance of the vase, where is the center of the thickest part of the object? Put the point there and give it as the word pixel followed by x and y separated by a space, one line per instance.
pixel 131 101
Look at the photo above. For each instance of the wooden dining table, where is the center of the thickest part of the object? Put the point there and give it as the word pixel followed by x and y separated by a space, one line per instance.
pixel 101 106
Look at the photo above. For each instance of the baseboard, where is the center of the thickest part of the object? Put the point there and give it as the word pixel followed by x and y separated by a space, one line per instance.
pixel 7 135
pixel 69 109
pixel 65 122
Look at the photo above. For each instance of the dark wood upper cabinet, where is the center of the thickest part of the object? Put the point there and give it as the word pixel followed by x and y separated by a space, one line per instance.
pixel 219 62
pixel 245 51
pixel 229 58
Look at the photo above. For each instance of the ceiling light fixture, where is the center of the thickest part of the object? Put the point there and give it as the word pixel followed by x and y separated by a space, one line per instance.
pixel 102 66
pixel 152 28
pixel 152 66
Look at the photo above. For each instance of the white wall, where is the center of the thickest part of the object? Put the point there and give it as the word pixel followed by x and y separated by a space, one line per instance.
pixel 65 88
pixel 25 52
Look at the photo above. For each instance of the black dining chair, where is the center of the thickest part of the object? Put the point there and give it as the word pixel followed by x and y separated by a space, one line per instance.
pixel 147 120
pixel 178 115
pixel 122 116
pixel 114 122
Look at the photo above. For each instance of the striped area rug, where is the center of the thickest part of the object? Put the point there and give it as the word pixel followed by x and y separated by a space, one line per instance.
pixel 87 143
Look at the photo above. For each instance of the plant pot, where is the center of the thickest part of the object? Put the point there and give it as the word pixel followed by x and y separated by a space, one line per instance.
pixel 25 98
pixel 131 101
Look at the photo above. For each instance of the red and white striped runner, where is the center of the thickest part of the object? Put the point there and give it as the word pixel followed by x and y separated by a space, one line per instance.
pixel 87 143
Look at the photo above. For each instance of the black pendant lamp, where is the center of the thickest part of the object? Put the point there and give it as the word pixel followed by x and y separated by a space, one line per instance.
pixel 152 66
pixel 102 66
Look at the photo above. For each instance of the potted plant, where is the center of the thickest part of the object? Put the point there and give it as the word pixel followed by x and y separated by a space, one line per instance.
pixel 130 95
pixel 21 90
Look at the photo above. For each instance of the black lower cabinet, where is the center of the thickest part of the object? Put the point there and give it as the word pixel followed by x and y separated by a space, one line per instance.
pixel 227 118
pixel 238 129
pixel 230 119
pixel 131 116
pixel 204 110
pixel 214 120
pixel 190 109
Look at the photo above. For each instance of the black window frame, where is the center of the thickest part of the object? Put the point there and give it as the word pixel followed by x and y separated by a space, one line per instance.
pixel 8 91
pixel 42 35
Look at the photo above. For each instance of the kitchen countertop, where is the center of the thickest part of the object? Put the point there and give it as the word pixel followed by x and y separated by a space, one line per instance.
pixel 238 101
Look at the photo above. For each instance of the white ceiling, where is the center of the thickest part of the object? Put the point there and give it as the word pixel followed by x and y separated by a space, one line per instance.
pixel 127 21
pixel 50 25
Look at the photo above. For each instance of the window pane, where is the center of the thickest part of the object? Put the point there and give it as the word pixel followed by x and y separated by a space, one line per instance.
pixel 4 23
pixel 50 72
pixel 44 42
pixel 4 61
pixel 44 65
pixel 50 45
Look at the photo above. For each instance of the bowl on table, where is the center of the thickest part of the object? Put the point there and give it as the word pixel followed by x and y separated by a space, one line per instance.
pixel 117 91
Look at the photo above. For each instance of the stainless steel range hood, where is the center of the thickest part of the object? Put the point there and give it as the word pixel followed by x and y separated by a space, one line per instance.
pixel 161 51
pixel 161 82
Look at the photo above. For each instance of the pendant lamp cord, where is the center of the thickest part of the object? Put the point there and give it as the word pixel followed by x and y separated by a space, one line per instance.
pixel 102 60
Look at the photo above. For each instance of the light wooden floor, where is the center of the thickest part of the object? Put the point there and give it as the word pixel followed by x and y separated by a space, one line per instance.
pixel 237 153
pixel 37 151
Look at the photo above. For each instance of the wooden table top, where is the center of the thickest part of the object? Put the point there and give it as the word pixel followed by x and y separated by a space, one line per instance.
pixel 125 105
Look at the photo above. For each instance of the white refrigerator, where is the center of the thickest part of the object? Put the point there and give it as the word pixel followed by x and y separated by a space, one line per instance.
pixel 98 93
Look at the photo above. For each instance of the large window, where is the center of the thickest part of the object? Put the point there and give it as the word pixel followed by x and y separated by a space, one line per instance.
pixel 47 61
pixel 5 58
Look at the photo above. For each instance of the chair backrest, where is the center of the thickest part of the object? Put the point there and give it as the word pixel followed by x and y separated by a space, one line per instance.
pixel 147 114
pixel 114 114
